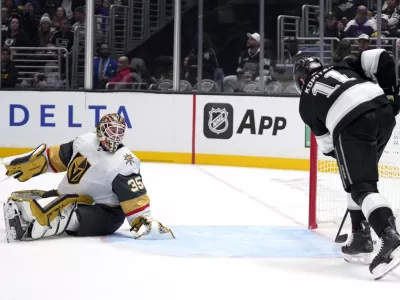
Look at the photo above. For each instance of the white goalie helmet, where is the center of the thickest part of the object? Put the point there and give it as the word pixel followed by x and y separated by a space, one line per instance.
pixel 110 131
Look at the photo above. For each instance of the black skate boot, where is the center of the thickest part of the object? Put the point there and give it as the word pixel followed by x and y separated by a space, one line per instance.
pixel 360 246
pixel 388 257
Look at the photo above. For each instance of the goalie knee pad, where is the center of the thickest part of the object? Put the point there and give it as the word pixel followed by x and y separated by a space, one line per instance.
pixel 26 219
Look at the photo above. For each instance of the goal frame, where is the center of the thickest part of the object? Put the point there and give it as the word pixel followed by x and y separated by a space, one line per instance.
pixel 312 206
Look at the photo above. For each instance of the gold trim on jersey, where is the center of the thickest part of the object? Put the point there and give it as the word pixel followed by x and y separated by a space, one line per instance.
pixel 44 215
pixel 55 159
pixel 132 206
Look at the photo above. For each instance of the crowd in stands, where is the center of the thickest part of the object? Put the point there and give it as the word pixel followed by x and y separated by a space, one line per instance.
pixel 51 24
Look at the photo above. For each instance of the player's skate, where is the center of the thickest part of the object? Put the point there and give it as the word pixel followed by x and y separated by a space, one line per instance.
pixel 388 257
pixel 16 227
pixel 360 247
pixel 148 228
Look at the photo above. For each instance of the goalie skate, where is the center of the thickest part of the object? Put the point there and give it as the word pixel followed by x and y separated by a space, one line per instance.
pixel 16 228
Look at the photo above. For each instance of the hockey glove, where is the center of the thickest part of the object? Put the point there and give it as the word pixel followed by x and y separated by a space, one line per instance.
pixel 147 227
pixel 28 165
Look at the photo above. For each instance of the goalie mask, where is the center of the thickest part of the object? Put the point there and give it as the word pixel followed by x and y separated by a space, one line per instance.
pixel 303 68
pixel 110 131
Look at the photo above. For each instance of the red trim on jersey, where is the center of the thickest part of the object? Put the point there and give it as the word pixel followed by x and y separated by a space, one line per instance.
pixel 137 210
pixel 48 160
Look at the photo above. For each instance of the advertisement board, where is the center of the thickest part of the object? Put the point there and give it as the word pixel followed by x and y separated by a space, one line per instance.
pixel 250 126
pixel 204 129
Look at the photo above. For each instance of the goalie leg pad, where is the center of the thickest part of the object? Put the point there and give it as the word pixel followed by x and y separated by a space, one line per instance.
pixel 26 219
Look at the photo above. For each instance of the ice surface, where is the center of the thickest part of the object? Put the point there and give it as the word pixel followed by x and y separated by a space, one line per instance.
pixel 241 234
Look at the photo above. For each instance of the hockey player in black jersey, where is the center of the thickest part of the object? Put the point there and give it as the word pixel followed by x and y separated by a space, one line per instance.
pixel 353 119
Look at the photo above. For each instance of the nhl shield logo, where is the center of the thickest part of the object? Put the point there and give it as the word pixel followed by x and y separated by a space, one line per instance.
pixel 218 120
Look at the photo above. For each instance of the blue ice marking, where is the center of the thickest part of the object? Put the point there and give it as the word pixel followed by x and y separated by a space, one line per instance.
pixel 234 241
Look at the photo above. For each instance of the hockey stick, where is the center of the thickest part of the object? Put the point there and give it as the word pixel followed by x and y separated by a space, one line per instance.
pixel 342 238
pixel 9 177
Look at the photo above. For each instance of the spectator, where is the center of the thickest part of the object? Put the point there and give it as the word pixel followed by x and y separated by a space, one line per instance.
pixel 386 30
pixel 292 50
pixel 104 67
pixel 5 19
pixel 35 4
pixel 210 62
pixel 29 24
pixel 64 37
pixel 124 73
pixel 39 81
pixel 363 43
pixel 390 9
pixel 80 17
pixel 11 7
pixel 15 37
pixel 45 31
pixel 9 73
pixel 59 15
pixel 138 66
pixel 330 28
pixel 248 68
pixel 70 6
pixel 361 24
pixel 343 51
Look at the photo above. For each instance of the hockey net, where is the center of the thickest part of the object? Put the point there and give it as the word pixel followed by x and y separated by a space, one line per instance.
pixel 328 201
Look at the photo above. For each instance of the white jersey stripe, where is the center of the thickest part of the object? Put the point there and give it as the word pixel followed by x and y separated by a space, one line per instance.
pixel 325 143
pixel 349 100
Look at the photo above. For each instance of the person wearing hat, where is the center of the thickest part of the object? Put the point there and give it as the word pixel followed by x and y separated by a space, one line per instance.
pixel 386 29
pixel 360 24
pixel 9 73
pixel 363 43
pixel 248 67
pixel 45 30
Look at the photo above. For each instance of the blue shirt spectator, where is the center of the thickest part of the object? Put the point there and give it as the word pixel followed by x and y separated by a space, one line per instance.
pixel 104 67
pixel 362 24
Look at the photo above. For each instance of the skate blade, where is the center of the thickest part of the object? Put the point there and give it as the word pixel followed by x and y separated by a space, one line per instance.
pixel 384 269
pixel 362 258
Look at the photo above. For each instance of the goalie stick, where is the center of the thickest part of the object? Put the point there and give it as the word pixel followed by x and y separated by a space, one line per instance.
pixel 341 238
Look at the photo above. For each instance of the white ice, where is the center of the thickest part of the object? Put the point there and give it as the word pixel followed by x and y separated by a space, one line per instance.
pixel 92 268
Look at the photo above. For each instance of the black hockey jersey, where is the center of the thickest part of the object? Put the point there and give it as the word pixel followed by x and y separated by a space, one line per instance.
pixel 332 98
pixel 249 63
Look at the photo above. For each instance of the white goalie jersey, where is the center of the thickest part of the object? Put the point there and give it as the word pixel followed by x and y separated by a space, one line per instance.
pixel 109 178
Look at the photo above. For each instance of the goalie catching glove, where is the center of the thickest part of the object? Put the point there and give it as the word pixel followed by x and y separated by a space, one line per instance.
pixel 145 227
pixel 28 165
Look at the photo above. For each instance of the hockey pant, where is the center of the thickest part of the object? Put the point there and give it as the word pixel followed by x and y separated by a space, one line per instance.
pixel 358 149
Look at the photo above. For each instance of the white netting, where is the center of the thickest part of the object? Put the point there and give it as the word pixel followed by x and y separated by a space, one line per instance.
pixel 331 199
